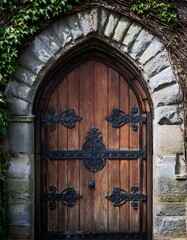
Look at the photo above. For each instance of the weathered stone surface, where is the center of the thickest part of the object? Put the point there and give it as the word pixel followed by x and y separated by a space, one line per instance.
pixel 21 167
pixel 110 27
pixel 62 32
pixel 164 171
pixel 181 167
pixel 142 41
pixel 169 115
pixel 89 20
pixel 151 51
pixel 17 106
pixel 165 159
pixel 121 28
pixel 21 232
pixel 19 133
pixel 173 198
pixel 29 61
pixel 40 51
pixel 162 79
pixel 73 24
pixel 170 226
pixel 170 186
pixel 20 90
pixel 167 139
pixel 25 75
pixel 20 190
pixel 168 96
pixel 170 209
pixel 50 41
pixel 103 17
pixel 157 64
pixel 20 213
pixel 131 35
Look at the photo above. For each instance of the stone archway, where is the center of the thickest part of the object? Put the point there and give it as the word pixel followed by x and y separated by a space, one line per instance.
pixel 149 56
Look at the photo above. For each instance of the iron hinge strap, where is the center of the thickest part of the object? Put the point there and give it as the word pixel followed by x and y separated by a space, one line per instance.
pixel 107 154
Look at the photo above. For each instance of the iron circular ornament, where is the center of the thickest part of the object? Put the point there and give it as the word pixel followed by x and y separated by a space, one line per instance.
pixel 93 147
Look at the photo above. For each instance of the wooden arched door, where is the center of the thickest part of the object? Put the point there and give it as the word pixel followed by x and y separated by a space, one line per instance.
pixel 93 149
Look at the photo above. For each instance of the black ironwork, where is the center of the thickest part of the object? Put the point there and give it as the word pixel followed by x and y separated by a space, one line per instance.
pixel 68 196
pixel 80 154
pixel 94 152
pixel 94 144
pixel 120 196
pixel 67 118
pixel 91 184
pixel 118 118
pixel 96 236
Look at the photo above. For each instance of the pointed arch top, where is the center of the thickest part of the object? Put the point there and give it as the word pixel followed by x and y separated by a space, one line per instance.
pixel 134 42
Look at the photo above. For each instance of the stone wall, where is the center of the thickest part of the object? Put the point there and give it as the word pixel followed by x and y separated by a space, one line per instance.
pixel 150 57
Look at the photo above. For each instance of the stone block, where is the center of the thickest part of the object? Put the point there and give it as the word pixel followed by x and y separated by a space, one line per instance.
pixel 25 75
pixel 168 96
pixel 162 79
pixel 170 227
pixel 132 33
pixel 169 115
pixel 18 107
pixel 151 51
pixel 20 90
pixel 40 51
pixel 141 43
pixel 73 24
pixel 165 159
pixel 157 64
pixel 50 40
pixel 62 32
pixel 89 20
pixel 20 190
pixel 20 213
pixel 167 139
pixel 103 17
pixel 170 186
pixel 111 24
pixel 173 198
pixel 21 167
pixel 31 62
pixel 170 209
pixel 164 171
pixel 19 133
pixel 21 231
pixel 121 29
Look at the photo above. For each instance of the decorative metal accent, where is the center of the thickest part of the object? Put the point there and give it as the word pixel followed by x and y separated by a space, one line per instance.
pixel 118 118
pixel 80 154
pixel 67 118
pixel 94 145
pixel 68 196
pixel 91 184
pixel 94 152
pixel 120 196
pixel 96 236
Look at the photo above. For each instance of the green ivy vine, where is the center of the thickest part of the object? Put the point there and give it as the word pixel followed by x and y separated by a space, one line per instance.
pixel 20 20
pixel 164 10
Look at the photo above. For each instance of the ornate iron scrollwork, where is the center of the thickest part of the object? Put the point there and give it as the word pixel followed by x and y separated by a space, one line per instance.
pixel 68 196
pixel 92 147
pixel 120 196
pixel 118 118
pixel 67 118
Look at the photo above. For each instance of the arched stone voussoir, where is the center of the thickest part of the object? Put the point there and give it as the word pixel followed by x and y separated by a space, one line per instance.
pixel 140 46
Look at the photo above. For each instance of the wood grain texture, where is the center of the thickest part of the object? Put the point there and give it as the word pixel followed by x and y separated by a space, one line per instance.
pixel 93 90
